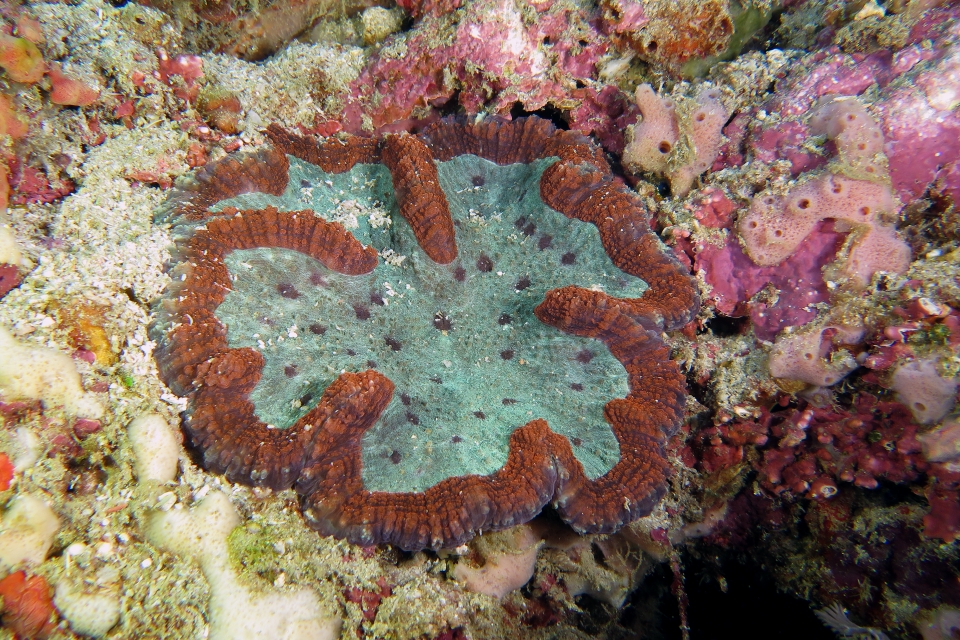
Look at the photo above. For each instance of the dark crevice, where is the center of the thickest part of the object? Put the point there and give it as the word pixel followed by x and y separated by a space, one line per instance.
pixel 727 326
pixel 549 112
pixel 739 597
pixel 451 107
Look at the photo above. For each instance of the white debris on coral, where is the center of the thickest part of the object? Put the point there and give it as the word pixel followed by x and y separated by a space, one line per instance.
pixel 107 208
pixel 27 530
pixel 835 618
pixel 237 612
pixel 156 448
pixel 27 450
pixel 37 373
pixel 300 65
pixel 607 568
pixel 378 23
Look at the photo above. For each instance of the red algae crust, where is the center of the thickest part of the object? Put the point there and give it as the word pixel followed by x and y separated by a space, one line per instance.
pixel 320 453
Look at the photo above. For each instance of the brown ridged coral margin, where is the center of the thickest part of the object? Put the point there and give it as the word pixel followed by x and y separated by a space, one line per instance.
pixel 422 201
pixel 266 171
pixel 586 192
pixel 333 155
pixel 540 464
pixel 194 356
pixel 445 515
pixel 523 140
pixel 651 412
pixel 322 452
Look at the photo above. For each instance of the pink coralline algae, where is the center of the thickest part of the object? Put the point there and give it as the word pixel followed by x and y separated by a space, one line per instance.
pixel 180 72
pixel 781 289
pixel 419 8
pixel 785 141
pixel 848 549
pixel 736 281
pixel 9 278
pixel 906 357
pixel 834 225
pixel 494 60
pixel 912 120
pixel 921 121
pixel 803 451
pixel 31 185
pixel 826 73
pixel 916 106
pixel 69 91
pixel 798 279
pixel 943 494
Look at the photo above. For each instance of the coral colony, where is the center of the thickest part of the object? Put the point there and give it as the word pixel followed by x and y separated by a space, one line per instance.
pixel 479 319
pixel 396 374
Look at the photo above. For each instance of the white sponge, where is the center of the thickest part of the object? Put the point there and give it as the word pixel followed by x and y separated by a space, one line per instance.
pixel 505 569
pixel 90 613
pixel 37 373
pixel 237 612
pixel 27 529
pixel 156 448
pixel 920 387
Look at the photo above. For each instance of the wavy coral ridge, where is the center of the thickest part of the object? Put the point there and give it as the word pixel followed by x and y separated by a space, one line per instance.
pixel 320 454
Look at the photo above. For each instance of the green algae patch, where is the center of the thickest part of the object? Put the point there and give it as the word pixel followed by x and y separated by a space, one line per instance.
pixel 252 550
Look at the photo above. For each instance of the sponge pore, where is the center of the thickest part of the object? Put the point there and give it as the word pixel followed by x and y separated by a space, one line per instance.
pixel 775 226
pixel 858 137
pixel 655 137
pixel 806 355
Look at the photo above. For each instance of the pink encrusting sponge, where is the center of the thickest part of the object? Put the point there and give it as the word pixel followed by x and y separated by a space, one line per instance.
pixel 680 146
pixel 855 193
pixel 803 355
